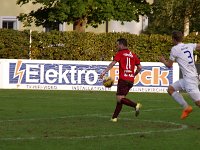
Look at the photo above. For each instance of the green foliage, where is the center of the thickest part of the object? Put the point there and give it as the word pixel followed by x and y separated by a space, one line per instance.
pixel 169 15
pixel 94 11
pixel 14 44
pixel 73 45
pixel 69 46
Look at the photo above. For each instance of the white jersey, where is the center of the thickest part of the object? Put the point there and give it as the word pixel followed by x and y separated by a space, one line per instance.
pixel 183 55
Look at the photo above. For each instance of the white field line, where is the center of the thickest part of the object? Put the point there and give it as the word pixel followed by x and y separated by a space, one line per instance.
pixel 134 133
pixel 86 115
pixel 84 98
pixel 104 135
pixel 182 127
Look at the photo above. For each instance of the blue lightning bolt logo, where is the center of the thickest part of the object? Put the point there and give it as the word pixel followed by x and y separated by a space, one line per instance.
pixel 18 72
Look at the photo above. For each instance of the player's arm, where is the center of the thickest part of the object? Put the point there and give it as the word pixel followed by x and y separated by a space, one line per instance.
pixel 198 47
pixel 168 63
pixel 108 68
pixel 139 68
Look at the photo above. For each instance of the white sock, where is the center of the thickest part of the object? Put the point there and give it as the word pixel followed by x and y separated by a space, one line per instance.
pixel 179 98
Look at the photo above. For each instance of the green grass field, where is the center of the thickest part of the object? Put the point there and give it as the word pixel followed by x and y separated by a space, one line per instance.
pixel 80 120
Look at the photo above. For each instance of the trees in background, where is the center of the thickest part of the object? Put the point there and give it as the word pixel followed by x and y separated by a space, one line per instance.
pixel 81 13
pixel 174 15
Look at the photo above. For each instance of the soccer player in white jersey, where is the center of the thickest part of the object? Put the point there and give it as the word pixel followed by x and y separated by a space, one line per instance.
pixel 183 55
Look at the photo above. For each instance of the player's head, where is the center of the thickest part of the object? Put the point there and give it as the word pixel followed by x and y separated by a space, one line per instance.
pixel 122 43
pixel 177 37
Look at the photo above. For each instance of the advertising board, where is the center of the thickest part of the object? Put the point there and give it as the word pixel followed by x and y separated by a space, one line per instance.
pixel 79 75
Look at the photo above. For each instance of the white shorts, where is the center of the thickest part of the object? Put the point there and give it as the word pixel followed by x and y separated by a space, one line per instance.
pixel 190 85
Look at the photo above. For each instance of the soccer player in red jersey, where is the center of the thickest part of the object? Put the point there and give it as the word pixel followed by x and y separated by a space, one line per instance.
pixel 127 62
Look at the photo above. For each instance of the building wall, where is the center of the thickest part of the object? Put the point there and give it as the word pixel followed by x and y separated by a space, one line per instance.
pixel 10 10
pixel 130 27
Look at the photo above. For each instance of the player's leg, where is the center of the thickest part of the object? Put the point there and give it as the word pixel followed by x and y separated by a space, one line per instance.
pixel 198 103
pixel 117 110
pixel 120 95
pixel 122 100
pixel 172 90
pixel 122 90
pixel 131 103
pixel 193 91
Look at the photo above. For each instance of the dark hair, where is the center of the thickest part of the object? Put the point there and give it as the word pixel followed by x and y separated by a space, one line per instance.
pixel 177 35
pixel 122 41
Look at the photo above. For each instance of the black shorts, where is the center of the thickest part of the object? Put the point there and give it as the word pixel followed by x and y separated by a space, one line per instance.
pixel 123 87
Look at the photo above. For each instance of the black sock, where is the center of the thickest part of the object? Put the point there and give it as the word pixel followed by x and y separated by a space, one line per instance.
pixel 117 110
pixel 128 102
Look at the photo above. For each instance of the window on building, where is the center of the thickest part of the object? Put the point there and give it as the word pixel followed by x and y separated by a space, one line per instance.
pixel 9 22
pixel 56 26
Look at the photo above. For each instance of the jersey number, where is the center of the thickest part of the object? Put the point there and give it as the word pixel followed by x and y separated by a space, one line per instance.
pixel 128 63
pixel 128 71
pixel 189 56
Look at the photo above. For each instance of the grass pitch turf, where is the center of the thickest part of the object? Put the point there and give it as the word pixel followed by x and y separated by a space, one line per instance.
pixel 79 120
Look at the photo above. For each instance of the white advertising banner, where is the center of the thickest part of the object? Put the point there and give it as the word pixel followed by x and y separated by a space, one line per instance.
pixel 79 75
